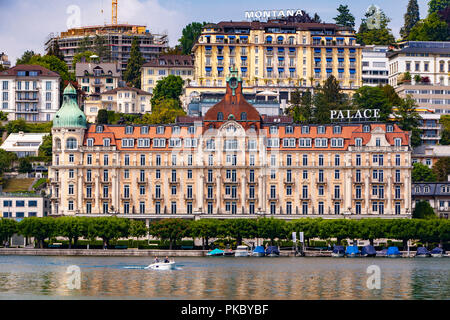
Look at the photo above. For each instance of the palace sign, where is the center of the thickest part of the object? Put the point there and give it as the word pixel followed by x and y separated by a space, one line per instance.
pixel 266 14
pixel 355 115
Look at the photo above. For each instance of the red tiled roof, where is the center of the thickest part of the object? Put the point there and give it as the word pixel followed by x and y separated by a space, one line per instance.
pixel 42 72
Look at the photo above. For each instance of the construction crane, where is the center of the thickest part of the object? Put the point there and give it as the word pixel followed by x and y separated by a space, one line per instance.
pixel 114 12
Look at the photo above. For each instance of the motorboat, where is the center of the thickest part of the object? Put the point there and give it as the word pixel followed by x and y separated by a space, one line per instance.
pixel 215 252
pixel 228 252
pixel 258 252
pixel 272 251
pixel 241 251
pixel 338 251
pixel 368 251
pixel 162 266
pixel 382 253
pixel 437 252
pixel 352 251
pixel 393 252
pixel 422 252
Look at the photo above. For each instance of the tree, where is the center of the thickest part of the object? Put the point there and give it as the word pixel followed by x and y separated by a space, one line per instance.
pixel 170 87
pixel 163 111
pixel 102 116
pixel 441 169
pixel 270 228
pixel 423 210
pixel 422 173
pixel 345 18
pixel 55 64
pixel 430 29
pixel 16 126
pixel 327 98
pixel 377 33
pixel 138 229
pixel 6 160
pixel 72 228
pixel 437 5
pixel 239 229
pixel 409 119
pixel 132 74
pixel 109 228
pixel 8 227
pixel 205 229
pixel 39 228
pixel 55 51
pixel 85 55
pixel 189 36
pixel 411 18
pixel 26 57
pixel 301 109
pixel 371 229
pixel 25 165
pixel 170 229
pixel 101 49
pixel 402 229
pixel 339 229
pixel 309 227
pixel 445 133
pixel 391 95
pixel 373 98
pixel 45 149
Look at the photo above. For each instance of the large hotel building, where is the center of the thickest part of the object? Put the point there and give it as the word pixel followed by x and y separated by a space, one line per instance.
pixel 276 54
pixel 232 162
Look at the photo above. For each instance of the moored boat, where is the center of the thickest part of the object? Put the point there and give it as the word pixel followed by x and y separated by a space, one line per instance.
pixel 272 251
pixel 437 252
pixel 382 253
pixel 422 252
pixel 393 252
pixel 352 251
pixel 338 251
pixel 258 252
pixel 368 251
pixel 228 252
pixel 215 252
pixel 241 251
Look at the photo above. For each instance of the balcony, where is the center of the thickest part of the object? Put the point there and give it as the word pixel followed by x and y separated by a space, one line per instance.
pixel 231 181
pixel 213 182
pixel 323 181
pixel 208 52
pixel 272 197
pixel 288 181
pixel 231 197
pixel 125 196
pixel 27 99
pixel 317 54
pixel 252 181
pixel 430 136
pixel 105 181
pixel 144 181
pixel 186 197
pixel 232 53
pixel 172 181
pixel 269 53
pixel 157 197
pixel 334 197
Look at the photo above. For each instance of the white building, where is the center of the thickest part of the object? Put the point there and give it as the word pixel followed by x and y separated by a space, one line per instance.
pixel 24 144
pixel 375 63
pixel 29 92
pixel 23 205
pixel 428 59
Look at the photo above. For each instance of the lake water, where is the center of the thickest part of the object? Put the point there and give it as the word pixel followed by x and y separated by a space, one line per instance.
pixel 31 277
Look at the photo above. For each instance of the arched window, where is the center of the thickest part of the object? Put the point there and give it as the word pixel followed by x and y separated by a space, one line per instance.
pixel 71 144
pixel 390 128
pixel 219 116
pixel 244 116
pixel 366 128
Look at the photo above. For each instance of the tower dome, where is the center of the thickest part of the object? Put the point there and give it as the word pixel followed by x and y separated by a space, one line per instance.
pixel 69 115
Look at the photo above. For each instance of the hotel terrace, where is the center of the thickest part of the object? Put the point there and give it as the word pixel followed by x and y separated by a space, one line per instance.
pixel 231 163
pixel 277 53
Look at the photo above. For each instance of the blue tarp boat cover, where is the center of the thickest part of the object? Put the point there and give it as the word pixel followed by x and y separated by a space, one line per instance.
pixel 370 250
pixel 422 250
pixel 338 249
pixel 392 251
pixel 382 252
pixel 272 249
pixel 214 252
pixel 259 249
pixel 352 250
pixel 437 250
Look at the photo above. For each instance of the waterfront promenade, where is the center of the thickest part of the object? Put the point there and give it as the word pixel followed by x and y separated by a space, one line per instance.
pixel 144 253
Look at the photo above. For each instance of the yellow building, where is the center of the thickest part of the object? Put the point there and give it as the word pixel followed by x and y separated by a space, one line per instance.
pixel 276 55
pixel 157 69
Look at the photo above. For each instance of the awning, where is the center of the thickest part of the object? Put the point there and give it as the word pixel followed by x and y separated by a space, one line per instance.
pixel 341 59
pixel 317 50
pixel 269 38
pixel 243 37
pixel 329 70
pixel 280 69
pixel 243 58
pixel 329 59
pixel 280 38
pixel 280 49
pixel 269 68
pixel 317 59
pixel 352 59
pixel 219 37
pixel 328 38
pixel 292 69
pixel 219 57
pixel 340 49
pixel 339 38
pixel 340 70
pixel 329 49
pixel 280 58
pixel 208 68
pixel 231 47
pixel 219 68
pixel 352 50
pixel 352 71
pixel 317 70
pixel 244 69
pixel 269 48
pixel 317 38
pixel 267 93
pixel 231 37
pixel 207 36
pixel 208 47
pixel 292 49
pixel 220 47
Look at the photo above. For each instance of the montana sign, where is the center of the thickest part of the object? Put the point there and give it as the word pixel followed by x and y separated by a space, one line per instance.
pixel 272 13
pixel 355 114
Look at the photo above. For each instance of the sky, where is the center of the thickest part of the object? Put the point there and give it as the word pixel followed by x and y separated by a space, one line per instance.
pixel 26 24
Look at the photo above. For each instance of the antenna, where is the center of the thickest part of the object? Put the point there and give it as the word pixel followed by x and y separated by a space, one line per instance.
pixel 114 12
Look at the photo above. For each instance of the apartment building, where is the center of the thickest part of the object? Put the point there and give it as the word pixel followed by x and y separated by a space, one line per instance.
pixel 157 69
pixel 375 65
pixel 436 194
pixel 22 205
pixel 277 54
pixel 430 154
pixel 120 99
pixel 230 163
pixel 23 144
pixel 29 92
pixel 117 37
pixel 97 77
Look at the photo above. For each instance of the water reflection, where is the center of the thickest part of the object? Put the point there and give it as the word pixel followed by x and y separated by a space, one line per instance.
pixel 225 278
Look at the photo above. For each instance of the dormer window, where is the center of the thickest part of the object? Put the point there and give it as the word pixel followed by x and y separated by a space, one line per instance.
pixel 398 142
pixel 106 142
pixel 144 130
pixel 273 129
pixel 305 129
pixel 160 130
pixel 337 130
pixel 176 130
pixel 289 129
pixel 99 129
pixel 129 130
pixel 191 129
pixel 244 116
pixel 390 128
pixel 71 144
pixel 358 142
pixel 320 129
pixel 90 142
pixel 219 116
pixel 366 128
